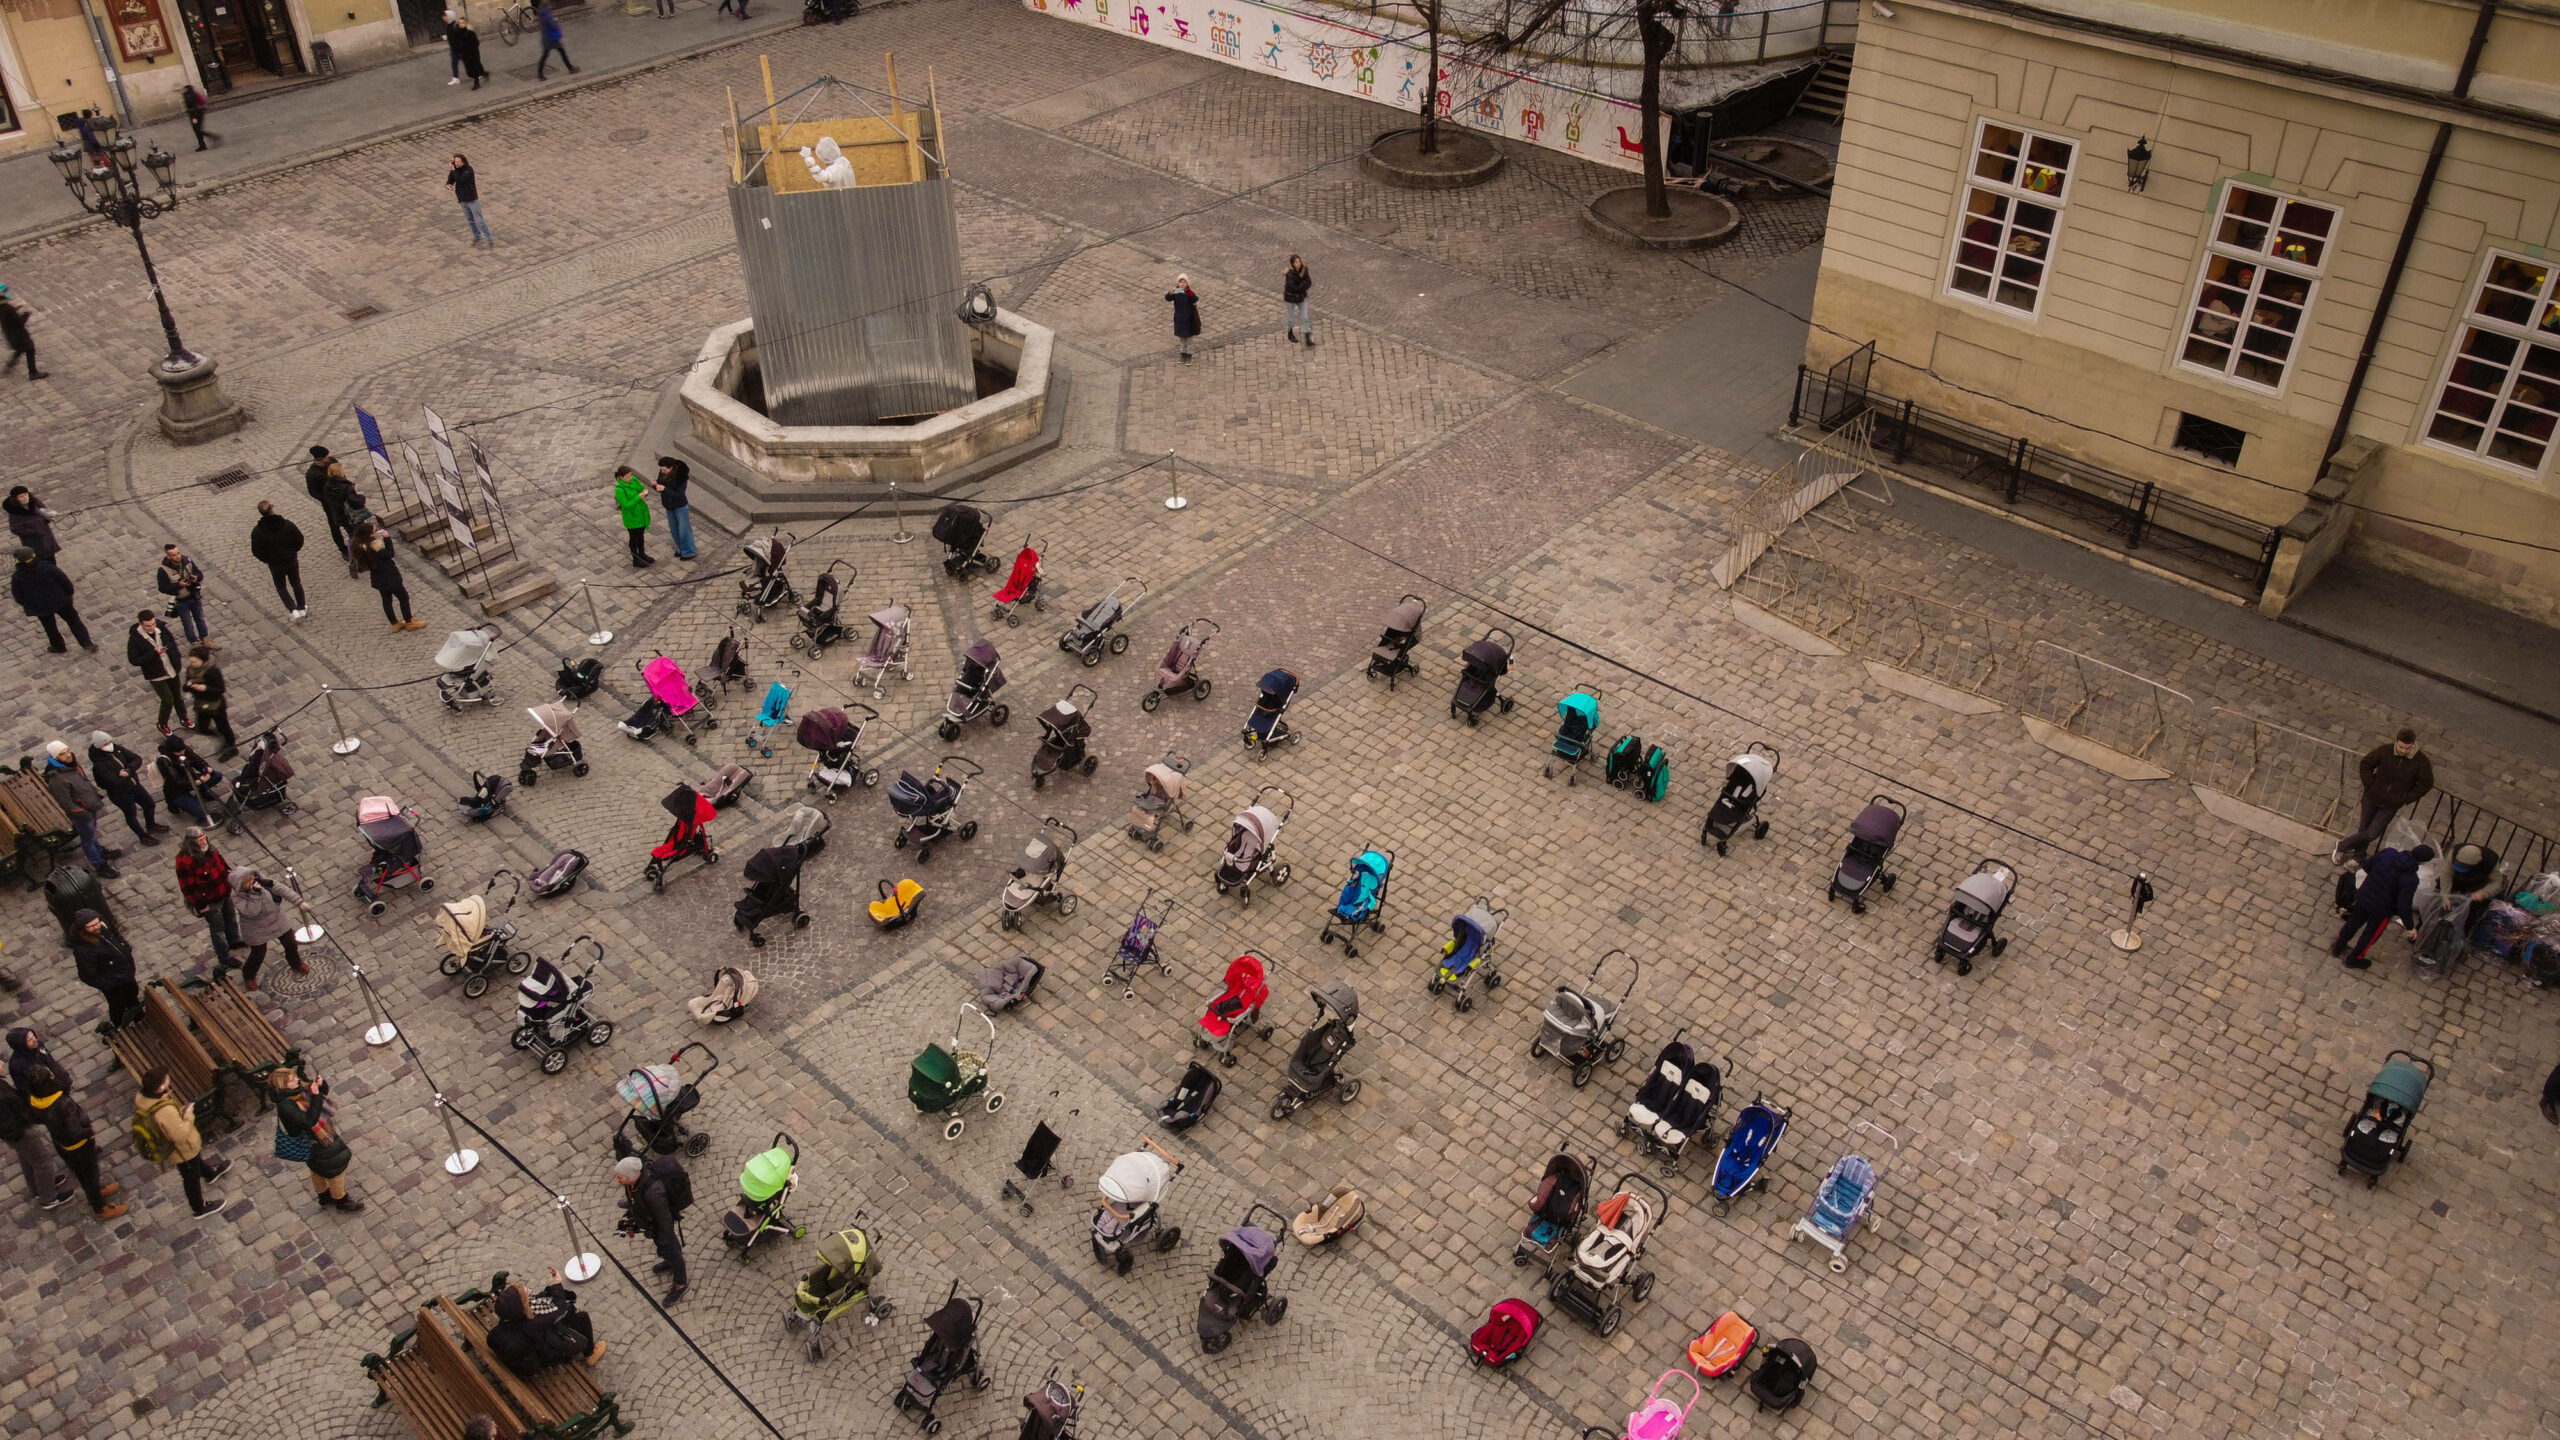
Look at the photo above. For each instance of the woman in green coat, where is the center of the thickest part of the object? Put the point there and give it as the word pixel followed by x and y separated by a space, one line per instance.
pixel 305 1112
pixel 633 498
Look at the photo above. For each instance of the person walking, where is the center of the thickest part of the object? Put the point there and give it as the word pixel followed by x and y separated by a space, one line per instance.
pixel 194 100
pixel 75 1140
pixel 2389 892
pixel 739 7
pixel 1295 282
pixel 276 543
pixel 46 1184
pixel 104 963
pixel 13 328
pixel 267 914
pixel 156 651
pixel 454 20
pixel 82 802
pixel 551 44
pixel 465 42
pixel 307 1130
pixel 630 497
pixel 666 9
pixel 675 494
pixel 204 882
pixel 164 1130
pixel 121 773
pixel 183 582
pixel 655 1193
pixel 389 583
pixel 31 522
pixel 352 514
pixel 203 680
pixel 1186 312
pixel 42 590
pixel 185 780
pixel 2392 775
pixel 464 182
pixel 315 481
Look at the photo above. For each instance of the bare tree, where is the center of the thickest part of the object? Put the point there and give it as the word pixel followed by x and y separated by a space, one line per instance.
pixel 1656 22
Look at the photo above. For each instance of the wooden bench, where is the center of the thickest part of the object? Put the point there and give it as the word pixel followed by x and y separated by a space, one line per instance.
pixel 563 1401
pixel 160 1040
pixel 33 829
pixel 433 1384
pixel 236 1033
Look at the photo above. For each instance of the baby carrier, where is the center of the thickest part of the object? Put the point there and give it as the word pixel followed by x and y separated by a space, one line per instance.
pixel 1008 983
pixel 764 586
pixel 889 634
pixel 831 736
pixel 554 745
pixel 1190 1099
pixel 1479 683
pixel 260 785
pixel 1022 587
pixel 465 660
pixel 1505 1333
pixel 1746 786
pixel 557 874
pixel 1065 729
pixel 1335 1214
pixel 973 693
pixel 818 625
pixel 1577 720
pixel 1265 729
pixel 1178 671
pixel 1785 1369
pixel 488 796
pixel 1401 631
pixel 960 527
pixel 732 989
pixel 578 680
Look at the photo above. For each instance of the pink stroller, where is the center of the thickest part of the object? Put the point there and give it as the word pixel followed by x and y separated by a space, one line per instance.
pixel 1660 1418
pixel 671 703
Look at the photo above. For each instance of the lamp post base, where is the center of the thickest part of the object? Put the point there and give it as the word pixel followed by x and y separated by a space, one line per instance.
pixel 193 408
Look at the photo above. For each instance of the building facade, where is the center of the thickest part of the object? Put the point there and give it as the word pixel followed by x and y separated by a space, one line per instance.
pixel 2288 263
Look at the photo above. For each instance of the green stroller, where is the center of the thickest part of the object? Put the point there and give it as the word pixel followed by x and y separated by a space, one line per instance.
pixel 945 1077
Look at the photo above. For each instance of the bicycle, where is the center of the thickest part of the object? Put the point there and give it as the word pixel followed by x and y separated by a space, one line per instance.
pixel 517 21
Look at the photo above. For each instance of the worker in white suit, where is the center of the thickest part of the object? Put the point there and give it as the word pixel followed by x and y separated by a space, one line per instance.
pixel 828 164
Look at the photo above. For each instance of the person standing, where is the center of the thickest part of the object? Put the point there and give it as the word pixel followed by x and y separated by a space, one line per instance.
pixel 155 650
pixel 666 9
pixel 2393 775
pixel 276 543
pixel 183 583
pixel 353 514
pixel 2389 892
pixel 655 1193
pixel 307 1129
pixel 1295 282
pixel 389 583
pixel 2550 1097
pixel 46 1184
pixel 551 44
pixel 42 590
pixel 121 773
pixel 75 1141
pixel 465 41
pixel 267 914
pixel 81 803
pixel 1186 313
pixel 675 494
pixel 13 328
pixel 204 882
pixel 464 182
pixel 31 522
pixel 203 681
pixel 631 499
pixel 104 963
pixel 453 23
pixel 159 1113
pixel 193 99
pixel 315 481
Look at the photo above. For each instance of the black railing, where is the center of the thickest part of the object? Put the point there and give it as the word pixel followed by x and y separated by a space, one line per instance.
pixel 2450 820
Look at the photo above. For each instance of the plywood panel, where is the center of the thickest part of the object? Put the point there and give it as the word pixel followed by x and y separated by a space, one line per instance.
pixel 879 151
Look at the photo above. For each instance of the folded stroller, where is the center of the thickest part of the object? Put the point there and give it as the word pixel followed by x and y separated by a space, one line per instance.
pixel 960 527
pixel 1469 953
pixel 1137 950
pixel 1336 1214
pixel 1237 1009
pixel 475 942
pixel 1401 631
pixel 260 783
pixel 1160 801
pixel 1363 900
pixel 973 693
pixel 1746 785
pixel 1265 730
pixel 1178 671
pixel 1556 1211
pixel 1065 730
pixel 1250 853
pixel 1756 1132
pixel 2378 1134
pixel 831 735
pixel 1132 1206
pixel 660 1098
pixel 819 627
pixel 925 807
pixel 1098 628
pixel 773 892
pixel 765 1184
pixel 1240 1283
pixel 1871 841
pixel 1479 683
pixel 1316 1066
pixel 1603 1277
pixel 671 702
pixel 1022 587
pixel 728 662
pixel 1974 916
pixel 764 586
pixel 847 1264
pixel 390 832
pixel 1634 765
pixel 1505 1333
pixel 687 837
pixel 949 1356
pixel 465 660
pixel 1580 1024
pixel 1577 720
pixel 1041 877
pixel 1675 1106
pixel 1191 1099
pixel 554 745
pixel 488 796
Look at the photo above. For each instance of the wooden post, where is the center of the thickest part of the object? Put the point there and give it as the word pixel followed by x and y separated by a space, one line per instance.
pixel 737 157
pixel 933 102
pixel 767 62
pixel 898 120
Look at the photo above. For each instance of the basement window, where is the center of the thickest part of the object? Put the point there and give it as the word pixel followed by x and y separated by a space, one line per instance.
pixel 2210 439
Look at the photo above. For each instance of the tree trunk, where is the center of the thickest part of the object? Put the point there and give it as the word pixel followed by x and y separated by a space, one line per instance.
pixel 1657 38
pixel 1431 81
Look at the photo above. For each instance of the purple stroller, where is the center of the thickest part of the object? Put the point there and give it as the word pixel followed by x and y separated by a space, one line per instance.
pixel 1871 841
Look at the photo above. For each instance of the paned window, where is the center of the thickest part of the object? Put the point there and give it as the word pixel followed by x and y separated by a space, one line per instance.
pixel 2501 392
pixel 2260 270
pixel 2012 206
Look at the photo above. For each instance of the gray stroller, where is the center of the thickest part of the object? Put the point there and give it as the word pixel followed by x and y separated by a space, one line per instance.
pixel 1580 1026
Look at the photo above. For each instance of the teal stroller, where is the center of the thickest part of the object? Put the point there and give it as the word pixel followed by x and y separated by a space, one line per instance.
pixel 1847 1194
pixel 1363 900
pixel 2378 1136
pixel 1577 721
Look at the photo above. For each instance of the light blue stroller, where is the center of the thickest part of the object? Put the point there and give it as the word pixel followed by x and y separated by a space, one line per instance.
pixel 1469 953
pixel 1577 720
pixel 1847 1194
pixel 1363 900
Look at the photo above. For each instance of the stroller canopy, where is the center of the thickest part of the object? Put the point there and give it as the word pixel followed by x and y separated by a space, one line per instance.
pixel 1487 659
pixel 1276 687
pixel 1580 713
pixel 1368 878
pixel 1562 1189
pixel 1253 1245
pixel 2401 1083
pixel 1579 1016
pixel 953 1327
pixel 392 838
pixel 766 552
pixel 1043 854
pixel 826 729
pixel 651 1089
pixel 1164 782
pixel 915 799
pixel 1254 831
pixel 1987 890
pixel 888 627
pixel 1402 622
pixel 555 720
pixel 687 806
pixel 1064 723
pixel 823 599
pixel 764 1177
pixel 546 985
pixel 960 526
pixel 1748 777
pixel 1137 1178
pixel 1246 989
pixel 1338 997
pixel 665 679
pixel 846 1253
pixel 464 649
pixel 976 664
pixel 462 923
pixel 774 865
pixel 1877 824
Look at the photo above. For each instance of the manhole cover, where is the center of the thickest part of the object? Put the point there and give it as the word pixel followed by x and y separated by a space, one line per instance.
pixel 1586 340
pixel 225 479
pixel 362 312
pixel 628 135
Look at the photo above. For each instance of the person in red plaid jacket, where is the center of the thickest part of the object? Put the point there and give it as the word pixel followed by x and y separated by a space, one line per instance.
pixel 204 881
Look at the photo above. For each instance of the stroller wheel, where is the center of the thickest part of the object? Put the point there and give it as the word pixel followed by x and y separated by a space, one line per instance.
pixel 1009 920
pixel 1611 1051
pixel 1272 1312
pixel 1066 906
pixel 522 1039
pixel 1857 906
pixel 799 641
pixel 1964 967
pixel 476 986
pixel 1002 713
pixel 755 939
pixel 1492 978
pixel 1642 1287
pixel 994 1103
pixel 1581 1076
pixel 1038 779
pixel 1119 644
pixel 1280 875
pixel 969 831
pixel 1466 1003
pixel 1609 1320
pixel 947 730
pixel 1519 1261
pixel 1720 847
pixel 1346 1092
pixel 1124 1262
pixel 1548 771
pixel 899 842
pixel 526 779
pixel 1092 658
pixel 449 966
pixel 697 1143
pixel 1997 946
pixel 1199 689
pixel 600 1033
pixel 952 1130
pixel 1349 950
pixel 869 777
pixel 1155 846
pixel 376 908
pixel 1506 705
pixel 1325 938
pixel 1537 1049
pixel 1012 619
pixel 1229 1061
pixel 1760 831
pixel 1090 762
pixel 1222 887
pixel 924 854
pixel 1149 701
pixel 554 1061
pixel 1723 1206
pixel 1281 1108
pixel 933 1427
pixel 1887 882
pixel 800 921
pixel 980 1380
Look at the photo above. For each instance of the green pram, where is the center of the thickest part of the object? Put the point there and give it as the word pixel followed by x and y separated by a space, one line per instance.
pixel 946 1077
pixel 847 1264
pixel 764 1190
pixel 2378 1136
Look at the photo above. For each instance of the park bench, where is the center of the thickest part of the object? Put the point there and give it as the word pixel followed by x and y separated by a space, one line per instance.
pixel 201 1034
pixel 238 1035
pixel 160 1040
pixel 433 1384
pixel 562 1402
pixel 34 832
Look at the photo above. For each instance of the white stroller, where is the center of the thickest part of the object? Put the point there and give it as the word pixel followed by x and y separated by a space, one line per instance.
pixel 553 1010
pixel 889 634
pixel 1160 802
pixel 1604 1265
pixel 1847 1194
pixel 465 660
pixel 1133 1189
pixel 1252 852
pixel 1746 786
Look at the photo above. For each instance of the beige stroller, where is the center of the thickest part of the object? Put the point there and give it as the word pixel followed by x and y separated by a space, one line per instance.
pixel 1160 801
pixel 731 989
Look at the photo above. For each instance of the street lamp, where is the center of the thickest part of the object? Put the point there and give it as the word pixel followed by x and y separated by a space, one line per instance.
pixel 2137 165
pixel 108 182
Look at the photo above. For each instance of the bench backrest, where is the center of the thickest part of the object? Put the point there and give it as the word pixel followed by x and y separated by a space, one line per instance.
pixel 169 1042
pixel 234 1031
pixel 545 1400
pixel 460 1379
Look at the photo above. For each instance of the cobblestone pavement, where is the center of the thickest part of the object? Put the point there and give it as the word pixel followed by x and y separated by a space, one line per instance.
pixel 2113 1209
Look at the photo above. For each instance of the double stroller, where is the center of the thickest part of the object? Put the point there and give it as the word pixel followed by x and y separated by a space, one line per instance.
pixel 1603 1278
pixel 890 633
pixel 660 1098
pixel 765 586
pixel 847 1260
pixel 1469 953
pixel 773 892
pixel 1236 1010
pixel 2378 1135
pixel 1178 671
pixel 1363 900
pixel 1577 721
pixel 925 807
pixel 1160 801
pixel 1252 842
pixel 1396 638
pixel 687 838
pixel 1267 729
pixel 396 861
pixel 465 658
pixel 763 1208
pixel 475 943
pixel 1675 1105
pixel 960 528
pixel 973 693
pixel 1021 587
pixel 671 703
pixel 553 1009
pixel 1746 785
pixel 554 745
pixel 831 736
pixel 1479 683
pixel 1317 1064
pixel 1580 1024
pixel 1634 765
pixel 1066 730
pixel 945 1077
pixel 260 782
pixel 1974 916
pixel 1132 1207
pixel 1041 877
pixel 949 1356
pixel 1240 1284
pixel 1556 1211
pixel 1871 840
pixel 1098 628
pixel 819 623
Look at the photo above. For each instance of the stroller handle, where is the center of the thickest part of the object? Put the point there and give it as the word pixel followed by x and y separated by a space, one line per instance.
pixel 492 883
pixel 1200 620
pixel 1988 861
pixel 782 1141
pixel 1052 820
pixel 960 1022
pixel 1089 690
pixel 1280 1226
pixel 2416 1059
pixel 1149 1141
pixel 1763 747
pixel 1289 802
pixel 1889 1137
pixel 573 949
pixel 1898 808
pixel 1633 964
pixel 1662 1197
pixel 973 772
pixel 705 1049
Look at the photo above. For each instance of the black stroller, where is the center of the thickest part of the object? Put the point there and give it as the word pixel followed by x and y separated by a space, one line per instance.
pixel 2378 1135
pixel 1179 671
pixel 960 528
pixel 660 1097
pixel 1191 1098
pixel 832 735
pixel 926 806
pixel 1871 840
pixel 1973 919
pixel 1064 730
pixel 773 892
pixel 819 627
pixel 1315 1067
pixel 973 694
pixel 764 586
pixel 1396 639
pixel 1479 689
pixel 1267 729
pixel 1746 786
pixel 552 1009
pixel 1240 1283
pixel 949 1356
pixel 728 662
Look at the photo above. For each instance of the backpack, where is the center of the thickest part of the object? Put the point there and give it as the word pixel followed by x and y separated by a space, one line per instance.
pixel 2344 897
pixel 1624 757
pixel 678 1184
pixel 148 1142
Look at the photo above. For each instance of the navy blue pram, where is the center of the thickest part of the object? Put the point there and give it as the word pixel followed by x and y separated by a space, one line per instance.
pixel 1264 729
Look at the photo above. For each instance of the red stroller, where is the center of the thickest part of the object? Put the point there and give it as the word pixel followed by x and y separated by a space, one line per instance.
pixel 1504 1334
pixel 1237 1009
pixel 689 836
pixel 1021 587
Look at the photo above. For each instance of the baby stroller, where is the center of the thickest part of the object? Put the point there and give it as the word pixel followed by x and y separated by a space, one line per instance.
pixel 1250 853
pixel 732 990
pixel 1041 877
pixel 1137 951
pixel 1178 671
pixel 1871 839
pixel 1363 900
pixel 1603 1273
pixel 688 836
pixel 1675 1106
pixel 1785 1369
pixel 949 1356
pixel 1479 687
pixel 465 660
pixel 1660 1417
pixel 1577 720
pixel 804 829
pixel 847 1264
pixel 773 892
pixel 1160 801
pixel 1396 639
pixel 925 807
pixel 578 680
pixel 1050 1411
pixel 1746 785
pixel 973 694
pixel 1265 730
pixel 831 735
pixel 1975 915
pixel 728 662
pixel 1634 765
pixel 1098 628
pixel 1469 953
pixel 1240 1283
pixel 1336 1214
pixel 552 1012
pixel 1237 1009
pixel 2378 1135
pixel 765 1183
pixel 1132 1206
pixel 1845 1197
pixel 475 947
pixel 660 1097
pixel 764 586
pixel 488 796
pixel 946 1077
pixel 1556 1211
pixel 1580 1023
pixel 671 702
pixel 818 624
pixel 260 783
pixel 1505 1333
pixel 960 527
pixel 1064 730
pixel 390 831
pixel 1008 983
pixel 1021 587
pixel 557 874
pixel 554 745
pixel 889 635
pixel 1744 1163
pixel 1316 1066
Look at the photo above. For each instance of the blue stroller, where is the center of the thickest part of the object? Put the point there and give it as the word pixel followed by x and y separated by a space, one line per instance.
pixel 1847 1194
pixel 1756 1132
pixel 1577 720
pixel 1363 900
pixel 1469 953
pixel 1264 729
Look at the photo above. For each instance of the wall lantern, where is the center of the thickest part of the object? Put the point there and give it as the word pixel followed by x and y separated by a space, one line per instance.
pixel 2137 165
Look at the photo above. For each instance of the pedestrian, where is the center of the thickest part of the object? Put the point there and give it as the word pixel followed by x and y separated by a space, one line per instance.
pixel 537 1331
pixel 156 651
pixel 194 100
pixel 104 963
pixel 315 481
pixel 46 1184
pixel 267 914
pixel 550 41
pixel 738 6
pixel 164 1130
pixel 75 1141
pixel 2550 1098
pixel 464 182
pixel 453 22
pixel 204 882
pixel 122 774
pixel 1186 312
pixel 630 498
pixel 390 583
pixel 82 802
pixel 186 781
pixel 666 9
pixel 2393 775
pixel 465 41
pixel 352 514
pixel 26 1052
pixel 13 328
pixel 307 1130
pixel 655 1193
pixel 203 681
pixel 675 493
pixel 2389 892
pixel 276 543
pixel 31 522
pixel 1295 282
pixel 42 590
pixel 183 582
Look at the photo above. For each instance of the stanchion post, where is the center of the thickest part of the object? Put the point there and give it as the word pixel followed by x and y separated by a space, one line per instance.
pixel 583 1265
pixel 457 1160
pixel 898 508
pixel 2141 895
pixel 1175 466
pixel 596 633
pixel 310 932
pixel 347 744
pixel 382 1031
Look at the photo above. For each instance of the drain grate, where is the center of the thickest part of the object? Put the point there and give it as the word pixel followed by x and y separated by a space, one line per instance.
pixel 225 479
pixel 362 312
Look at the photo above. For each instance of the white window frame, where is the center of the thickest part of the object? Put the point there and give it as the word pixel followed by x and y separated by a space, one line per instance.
pixel 2265 262
pixel 2013 194
pixel 2545 302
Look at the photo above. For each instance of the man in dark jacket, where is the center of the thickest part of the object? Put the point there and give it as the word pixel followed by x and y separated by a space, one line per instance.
pixel 276 543
pixel 183 583
pixel 653 1196
pixel 105 964
pixel 389 583
pixel 1295 283
pixel 125 777
pixel 156 651
pixel 675 495
pixel 31 522
pixel 13 329
pixel 44 591
pixel 2389 892
pixel 81 802
pixel 315 481
pixel 75 1140
pixel 26 1052
pixel 46 1184
pixel 2393 775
